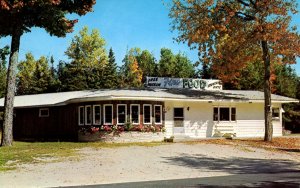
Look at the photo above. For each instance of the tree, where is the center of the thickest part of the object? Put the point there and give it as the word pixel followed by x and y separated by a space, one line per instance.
pixel 17 17
pixel 184 67
pixel 25 75
pixel 88 61
pixel 3 53
pixel 231 32
pixel 35 76
pixel 147 64
pixel 167 63
pixel 131 74
pixel 110 76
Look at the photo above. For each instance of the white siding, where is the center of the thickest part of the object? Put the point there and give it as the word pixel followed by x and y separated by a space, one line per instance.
pixel 198 120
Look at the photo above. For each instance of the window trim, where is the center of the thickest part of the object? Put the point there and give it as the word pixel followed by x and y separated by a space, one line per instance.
pixel 79 123
pixel 160 106
pixel 85 113
pixel 112 114
pixel 139 112
pixel 230 113
pixel 277 117
pixel 94 115
pixel 118 114
pixel 144 114
pixel 40 114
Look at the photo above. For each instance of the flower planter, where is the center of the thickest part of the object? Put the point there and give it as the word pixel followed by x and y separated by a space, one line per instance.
pixel 123 137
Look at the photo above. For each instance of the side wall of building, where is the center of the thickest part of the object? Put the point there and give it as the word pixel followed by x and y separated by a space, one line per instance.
pixel 199 123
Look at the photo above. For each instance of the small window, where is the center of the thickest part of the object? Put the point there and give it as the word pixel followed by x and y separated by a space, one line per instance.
pixel 97 114
pixel 158 114
pixel 233 114
pixel 135 113
pixel 178 117
pixel 108 114
pixel 122 112
pixel 81 115
pixel 88 115
pixel 275 113
pixel 147 114
pixel 216 114
pixel 44 112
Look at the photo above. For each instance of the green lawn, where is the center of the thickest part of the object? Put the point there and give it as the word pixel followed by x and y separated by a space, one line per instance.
pixel 35 152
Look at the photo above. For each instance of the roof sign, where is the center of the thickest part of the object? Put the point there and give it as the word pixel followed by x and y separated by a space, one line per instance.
pixel 188 83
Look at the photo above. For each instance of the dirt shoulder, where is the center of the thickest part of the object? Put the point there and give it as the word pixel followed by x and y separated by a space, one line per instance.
pixel 207 158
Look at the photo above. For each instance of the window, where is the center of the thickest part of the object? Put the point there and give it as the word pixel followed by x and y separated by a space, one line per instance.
pixel 44 112
pixel 81 115
pixel 147 114
pixel 97 115
pixel 233 114
pixel 135 113
pixel 216 114
pixel 178 117
pixel 88 115
pixel 158 114
pixel 224 114
pixel 108 114
pixel 275 113
pixel 122 112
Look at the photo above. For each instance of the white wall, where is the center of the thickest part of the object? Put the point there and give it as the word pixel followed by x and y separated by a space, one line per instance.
pixel 199 119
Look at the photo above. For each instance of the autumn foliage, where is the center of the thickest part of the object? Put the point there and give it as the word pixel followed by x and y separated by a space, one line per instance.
pixel 229 34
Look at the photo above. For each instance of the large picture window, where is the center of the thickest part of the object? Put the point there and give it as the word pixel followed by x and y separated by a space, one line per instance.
pixel 147 113
pixel 88 115
pixel 158 114
pixel 108 114
pixel 122 112
pixel 97 115
pixel 81 115
pixel 135 113
pixel 224 114
pixel 178 117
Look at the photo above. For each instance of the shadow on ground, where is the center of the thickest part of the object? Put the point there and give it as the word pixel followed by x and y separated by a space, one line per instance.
pixel 234 165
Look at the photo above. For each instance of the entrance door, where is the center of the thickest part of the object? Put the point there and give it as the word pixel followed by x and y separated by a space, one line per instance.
pixel 178 115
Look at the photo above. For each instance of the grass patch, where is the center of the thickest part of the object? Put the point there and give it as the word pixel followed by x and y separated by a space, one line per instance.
pixel 37 152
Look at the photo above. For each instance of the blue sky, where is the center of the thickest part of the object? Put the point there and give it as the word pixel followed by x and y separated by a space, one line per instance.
pixel 123 24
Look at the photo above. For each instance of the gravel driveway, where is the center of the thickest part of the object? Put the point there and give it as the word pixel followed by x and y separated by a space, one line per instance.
pixel 137 163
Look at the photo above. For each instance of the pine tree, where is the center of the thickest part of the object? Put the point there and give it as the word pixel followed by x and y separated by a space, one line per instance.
pixel 110 78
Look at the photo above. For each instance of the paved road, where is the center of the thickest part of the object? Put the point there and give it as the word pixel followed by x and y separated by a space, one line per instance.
pixel 270 180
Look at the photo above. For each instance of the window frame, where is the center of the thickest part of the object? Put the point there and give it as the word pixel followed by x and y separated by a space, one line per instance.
pixel 230 113
pixel 275 117
pixel 112 114
pixel 178 118
pixel 139 112
pixel 85 113
pixel 40 112
pixel 79 114
pixel 94 114
pixel 160 107
pixel 144 105
pixel 118 123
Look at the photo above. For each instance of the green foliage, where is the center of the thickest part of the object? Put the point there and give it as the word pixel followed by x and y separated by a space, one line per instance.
pixel 110 76
pixel 178 65
pixel 131 73
pixel 35 76
pixel 147 64
pixel 88 62
pixel 3 55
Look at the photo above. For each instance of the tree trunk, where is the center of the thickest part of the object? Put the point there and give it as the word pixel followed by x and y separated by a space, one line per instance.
pixel 267 92
pixel 10 89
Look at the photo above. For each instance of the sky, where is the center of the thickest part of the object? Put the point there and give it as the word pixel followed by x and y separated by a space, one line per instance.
pixel 124 24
